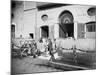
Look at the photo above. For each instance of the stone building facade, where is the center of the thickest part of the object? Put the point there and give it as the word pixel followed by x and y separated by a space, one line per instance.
pixel 67 19
pixel 29 19
pixel 51 20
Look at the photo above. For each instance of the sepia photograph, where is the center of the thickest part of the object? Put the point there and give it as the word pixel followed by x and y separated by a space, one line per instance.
pixel 52 37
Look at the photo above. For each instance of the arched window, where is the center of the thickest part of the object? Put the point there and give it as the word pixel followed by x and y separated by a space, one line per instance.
pixel 44 17
pixel 91 11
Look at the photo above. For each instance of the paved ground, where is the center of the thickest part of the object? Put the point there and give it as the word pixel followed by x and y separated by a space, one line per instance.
pixel 29 65
pixel 83 59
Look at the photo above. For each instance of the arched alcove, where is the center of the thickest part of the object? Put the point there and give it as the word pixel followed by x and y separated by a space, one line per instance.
pixel 66 24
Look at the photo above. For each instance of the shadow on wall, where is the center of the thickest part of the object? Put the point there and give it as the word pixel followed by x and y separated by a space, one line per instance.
pixel 84 44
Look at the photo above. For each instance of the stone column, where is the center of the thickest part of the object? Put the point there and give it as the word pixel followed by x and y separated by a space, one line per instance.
pixel 51 31
pixel 37 33
pixel 85 31
pixel 75 30
pixel 56 30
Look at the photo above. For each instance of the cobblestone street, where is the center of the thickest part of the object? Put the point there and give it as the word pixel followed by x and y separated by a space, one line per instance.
pixel 30 65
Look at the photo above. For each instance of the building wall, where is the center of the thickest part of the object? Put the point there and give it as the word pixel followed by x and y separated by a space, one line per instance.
pixel 28 18
pixel 18 19
pixel 29 23
pixel 80 18
pixel 91 35
pixel 25 19
pixel 79 13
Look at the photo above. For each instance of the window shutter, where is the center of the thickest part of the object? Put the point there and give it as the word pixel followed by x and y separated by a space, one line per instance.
pixel 81 30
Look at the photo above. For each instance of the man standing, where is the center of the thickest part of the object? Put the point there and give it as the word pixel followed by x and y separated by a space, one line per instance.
pixel 50 49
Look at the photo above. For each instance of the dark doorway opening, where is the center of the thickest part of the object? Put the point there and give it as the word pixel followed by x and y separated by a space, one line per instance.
pixel 12 31
pixel 31 35
pixel 66 30
pixel 69 28
pixel 45 31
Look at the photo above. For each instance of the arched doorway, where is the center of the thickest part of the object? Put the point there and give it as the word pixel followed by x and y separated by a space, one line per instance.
pixel 66 25
pixel 44 31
